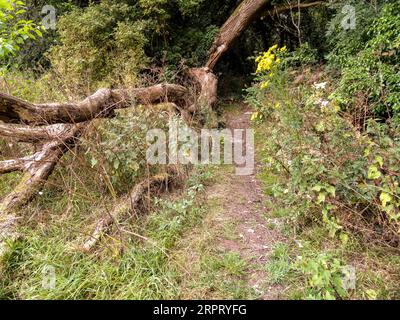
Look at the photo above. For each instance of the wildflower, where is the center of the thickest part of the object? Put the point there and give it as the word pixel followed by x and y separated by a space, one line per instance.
pixel 324 103
pixel 283 49
pixel 275 46
pixel 264 85
pixel 255 116
pixel 320 86
pixel 277 106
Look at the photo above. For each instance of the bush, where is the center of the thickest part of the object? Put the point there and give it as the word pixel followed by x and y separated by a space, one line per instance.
pixel 369 62
pixel 101 45
pixel 326 171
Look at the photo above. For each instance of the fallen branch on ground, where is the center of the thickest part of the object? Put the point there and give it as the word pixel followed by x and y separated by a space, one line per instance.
pixel 130 203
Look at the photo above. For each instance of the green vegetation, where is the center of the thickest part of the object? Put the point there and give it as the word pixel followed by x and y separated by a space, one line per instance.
pixel 14 31
pixel 325 105
pixel 330 166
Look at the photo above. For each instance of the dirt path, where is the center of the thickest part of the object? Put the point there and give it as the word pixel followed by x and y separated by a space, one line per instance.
pixel 241 202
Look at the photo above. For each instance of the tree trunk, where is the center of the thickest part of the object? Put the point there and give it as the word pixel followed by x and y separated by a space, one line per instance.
pixel 241 18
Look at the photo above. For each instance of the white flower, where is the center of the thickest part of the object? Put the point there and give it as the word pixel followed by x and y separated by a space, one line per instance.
pixel 320 86
pixel 40 193
pixel 299 243
pixel 324 103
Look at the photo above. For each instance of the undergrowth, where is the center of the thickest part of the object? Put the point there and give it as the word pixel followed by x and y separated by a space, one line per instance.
pixel 335 186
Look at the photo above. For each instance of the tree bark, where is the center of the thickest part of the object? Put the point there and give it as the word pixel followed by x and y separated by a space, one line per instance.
pixel 99 105
pixel 208 85
pixel 131 203
pixel 25 133
pixel 241 18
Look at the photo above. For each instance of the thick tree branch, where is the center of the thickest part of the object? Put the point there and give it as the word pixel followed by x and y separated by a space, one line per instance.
pixel 100 104
pixel 130 203
pixel 247 11
pixel 208 85
pixel 25 133
pixel 12 165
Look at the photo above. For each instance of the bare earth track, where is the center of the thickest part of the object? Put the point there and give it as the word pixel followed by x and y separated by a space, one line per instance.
pixel 241 201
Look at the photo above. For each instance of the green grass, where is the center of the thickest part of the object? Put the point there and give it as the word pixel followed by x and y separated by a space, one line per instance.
pixel 8 182
pixel 147 258
pixel 124 267
pixel 279 265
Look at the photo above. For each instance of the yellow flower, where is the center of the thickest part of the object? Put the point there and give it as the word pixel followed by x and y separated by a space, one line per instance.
pixel 283 49
pixel 264 85
pixel 254 116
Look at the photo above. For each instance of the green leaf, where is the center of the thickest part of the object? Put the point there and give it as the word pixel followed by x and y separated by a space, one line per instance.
pixel 93 162
pixel 385 198
pixel 344 238
pixel 317 188
pixel 5 4
pixel 374 173
pixel 321 197
pixel 331 190
pixel 379 160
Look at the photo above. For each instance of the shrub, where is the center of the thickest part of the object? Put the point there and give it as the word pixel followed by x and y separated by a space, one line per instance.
pixel 369 62
pixel 326 171
pixel 101 45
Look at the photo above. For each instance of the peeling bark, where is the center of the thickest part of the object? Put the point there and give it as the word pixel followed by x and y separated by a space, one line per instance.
pixel 208 83
pixel 12 165
pixel 37 168
pixel 24 133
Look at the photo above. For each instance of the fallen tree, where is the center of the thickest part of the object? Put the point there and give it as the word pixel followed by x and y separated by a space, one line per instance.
pixel 55 127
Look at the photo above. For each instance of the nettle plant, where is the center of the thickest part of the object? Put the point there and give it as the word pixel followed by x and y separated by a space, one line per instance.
pixel 14 29
pixel 325 276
